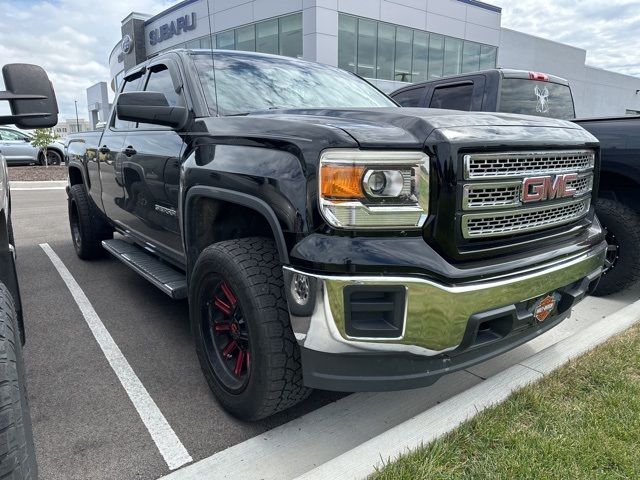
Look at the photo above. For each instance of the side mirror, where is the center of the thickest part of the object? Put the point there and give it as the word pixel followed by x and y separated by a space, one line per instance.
pixel 31 97
pixel 150 107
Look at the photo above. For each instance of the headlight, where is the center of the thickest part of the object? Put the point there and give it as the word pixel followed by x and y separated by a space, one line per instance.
pixel 374 189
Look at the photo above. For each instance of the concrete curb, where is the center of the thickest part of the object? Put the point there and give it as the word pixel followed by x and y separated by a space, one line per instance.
pixel 362 461
pixel 45 185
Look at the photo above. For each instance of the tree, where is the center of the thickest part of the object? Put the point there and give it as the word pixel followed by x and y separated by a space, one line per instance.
pixel 42 138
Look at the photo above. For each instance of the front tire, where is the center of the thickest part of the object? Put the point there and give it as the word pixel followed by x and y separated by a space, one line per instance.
pixel 17 453
pixel 622 263
pixel 243 336
pixel 88 228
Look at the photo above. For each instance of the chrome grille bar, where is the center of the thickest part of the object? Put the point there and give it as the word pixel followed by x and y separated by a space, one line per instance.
pixel 493 224
pixel 514 164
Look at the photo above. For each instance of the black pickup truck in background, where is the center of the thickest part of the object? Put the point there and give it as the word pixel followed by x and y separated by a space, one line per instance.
pixel 618 206
pixel 539 94
pixel 325 237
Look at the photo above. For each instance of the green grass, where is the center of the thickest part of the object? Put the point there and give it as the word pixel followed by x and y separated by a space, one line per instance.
pixel 580 422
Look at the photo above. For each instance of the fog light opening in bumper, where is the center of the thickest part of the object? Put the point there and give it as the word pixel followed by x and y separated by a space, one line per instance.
pixel 300 289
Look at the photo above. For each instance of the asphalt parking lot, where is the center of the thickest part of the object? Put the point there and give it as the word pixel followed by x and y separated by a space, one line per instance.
pixel 86 426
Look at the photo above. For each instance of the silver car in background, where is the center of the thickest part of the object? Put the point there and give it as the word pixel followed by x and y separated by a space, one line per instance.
pixel 17 149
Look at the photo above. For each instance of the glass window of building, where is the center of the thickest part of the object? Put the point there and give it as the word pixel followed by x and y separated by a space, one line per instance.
pixel 436 55
pixel 452 56
pixel 367 33
pixel 205 42
pixel 386 51
pixel 291 35
pixel 420 56
pixel 390 52
pixel 226 40
pixel 246 38
pixel 267 37
pixel 192 44
pixel 488 57
pixel 470 57
pixel 347 41
pixel 404 40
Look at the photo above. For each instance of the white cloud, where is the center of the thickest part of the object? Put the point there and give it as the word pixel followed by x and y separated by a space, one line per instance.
pixel 607 30
pixel 70 39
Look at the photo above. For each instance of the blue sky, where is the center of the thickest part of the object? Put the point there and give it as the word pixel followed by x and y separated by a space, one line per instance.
pixel 72 39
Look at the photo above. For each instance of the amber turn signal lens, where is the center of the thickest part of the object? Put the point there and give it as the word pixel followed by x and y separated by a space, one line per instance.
pixel 341 181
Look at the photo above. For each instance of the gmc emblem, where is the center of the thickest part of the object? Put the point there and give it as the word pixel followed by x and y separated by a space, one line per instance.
pixel 536 189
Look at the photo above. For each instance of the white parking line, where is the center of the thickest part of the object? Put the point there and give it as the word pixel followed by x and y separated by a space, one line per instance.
pixel 170 447
pixel 44 185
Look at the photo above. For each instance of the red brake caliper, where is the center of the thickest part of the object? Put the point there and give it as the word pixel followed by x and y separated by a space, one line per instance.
pixel 227 307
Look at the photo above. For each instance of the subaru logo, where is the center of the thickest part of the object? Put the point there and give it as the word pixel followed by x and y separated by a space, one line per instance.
pixel 536 189
pixel 127 43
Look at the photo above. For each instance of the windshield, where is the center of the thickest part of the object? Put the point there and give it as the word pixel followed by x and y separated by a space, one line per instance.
pixel 248 83
pixel 544 99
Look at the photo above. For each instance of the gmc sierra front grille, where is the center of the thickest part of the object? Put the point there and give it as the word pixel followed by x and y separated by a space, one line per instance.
pixel 509 164
pixel 529 191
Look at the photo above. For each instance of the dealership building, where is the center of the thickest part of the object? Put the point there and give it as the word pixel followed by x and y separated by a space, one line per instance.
pixel 390 42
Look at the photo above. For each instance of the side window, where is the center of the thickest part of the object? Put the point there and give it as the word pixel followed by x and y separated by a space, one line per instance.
pixel 160 81
pixel 9 135
pixel 453 97
pixel 410 98
pixel 131 85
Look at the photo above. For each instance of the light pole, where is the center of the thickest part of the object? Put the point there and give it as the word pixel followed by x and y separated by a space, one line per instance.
pixel 77 120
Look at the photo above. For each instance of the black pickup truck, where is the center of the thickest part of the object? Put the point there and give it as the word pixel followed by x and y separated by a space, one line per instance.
pixel 540 94
pixel 325 237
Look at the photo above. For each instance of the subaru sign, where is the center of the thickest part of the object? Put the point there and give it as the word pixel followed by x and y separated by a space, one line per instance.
pixel 127 43
pixel 182 24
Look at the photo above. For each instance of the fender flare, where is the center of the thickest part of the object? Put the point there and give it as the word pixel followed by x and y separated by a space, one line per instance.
pixel 243 199
pixel 83 172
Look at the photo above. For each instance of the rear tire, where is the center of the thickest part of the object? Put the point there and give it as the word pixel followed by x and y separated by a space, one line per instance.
pixel 17 453
pixel 251 273
pixel 88 228
pixel 622 265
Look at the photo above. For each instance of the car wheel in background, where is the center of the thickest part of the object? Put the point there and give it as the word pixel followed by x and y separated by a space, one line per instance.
pixel 622 263
pixel 53 158
pixel 17 453
pixel 88 228
pixel 242 331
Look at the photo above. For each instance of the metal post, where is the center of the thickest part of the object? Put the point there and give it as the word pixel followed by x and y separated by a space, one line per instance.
pixel 77 120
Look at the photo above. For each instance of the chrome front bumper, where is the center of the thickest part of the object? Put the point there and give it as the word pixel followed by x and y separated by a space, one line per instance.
pixel 436 315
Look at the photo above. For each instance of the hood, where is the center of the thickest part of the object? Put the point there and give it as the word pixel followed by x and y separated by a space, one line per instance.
pixel 410 127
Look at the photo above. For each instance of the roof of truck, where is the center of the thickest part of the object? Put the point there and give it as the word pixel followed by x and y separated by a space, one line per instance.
pixel 504 72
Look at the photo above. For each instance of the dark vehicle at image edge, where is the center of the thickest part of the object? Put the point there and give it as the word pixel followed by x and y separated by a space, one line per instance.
pixel 326 238
pixel 32 102
pixel 540 94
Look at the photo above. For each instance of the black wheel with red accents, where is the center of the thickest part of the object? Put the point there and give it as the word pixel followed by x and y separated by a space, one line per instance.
pixel 226 336
pixel 242 331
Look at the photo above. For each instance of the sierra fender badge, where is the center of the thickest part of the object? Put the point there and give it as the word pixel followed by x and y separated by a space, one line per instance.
pixel 544 308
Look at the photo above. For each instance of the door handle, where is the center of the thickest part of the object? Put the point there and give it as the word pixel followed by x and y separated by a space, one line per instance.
pixel 129 151
pixel 104 150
